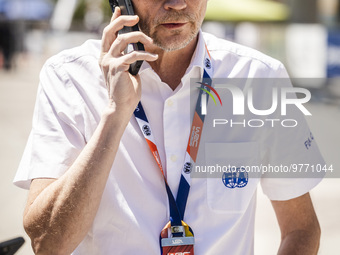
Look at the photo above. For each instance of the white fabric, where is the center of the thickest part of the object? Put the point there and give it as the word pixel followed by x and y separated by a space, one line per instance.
pixel 134 206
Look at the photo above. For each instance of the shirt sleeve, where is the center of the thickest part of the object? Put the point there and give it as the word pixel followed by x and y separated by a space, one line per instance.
pixel 56 138
pixel 294 160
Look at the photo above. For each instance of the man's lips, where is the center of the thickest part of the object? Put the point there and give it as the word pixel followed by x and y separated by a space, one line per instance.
pixel 173 25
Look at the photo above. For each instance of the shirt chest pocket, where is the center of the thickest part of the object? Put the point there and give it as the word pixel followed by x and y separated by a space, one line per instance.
pixel 232 186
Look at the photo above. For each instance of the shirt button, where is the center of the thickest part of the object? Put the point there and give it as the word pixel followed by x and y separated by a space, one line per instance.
pixel 173 158
pixel 170 102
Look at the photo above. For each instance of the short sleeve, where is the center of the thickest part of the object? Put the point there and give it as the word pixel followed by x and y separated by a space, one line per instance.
pixel 293 154
pixel 56 138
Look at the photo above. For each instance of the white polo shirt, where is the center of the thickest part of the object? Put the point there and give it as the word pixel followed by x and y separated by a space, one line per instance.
pixel 134 207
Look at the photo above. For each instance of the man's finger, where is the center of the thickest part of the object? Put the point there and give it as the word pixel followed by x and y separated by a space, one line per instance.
pixel 110 32
pixel 105 36
pixel 116 13
pixel 123 40
pixel 138 55
pixel 123 63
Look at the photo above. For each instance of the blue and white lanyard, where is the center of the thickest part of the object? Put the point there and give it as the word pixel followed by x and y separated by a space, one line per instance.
pixel 178 205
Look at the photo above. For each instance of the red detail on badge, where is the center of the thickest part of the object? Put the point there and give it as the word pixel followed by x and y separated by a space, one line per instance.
pixel 164 233
pixel 178 250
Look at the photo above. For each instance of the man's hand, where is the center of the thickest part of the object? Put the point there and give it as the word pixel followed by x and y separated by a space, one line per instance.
pixel 124 89
pixel 300 230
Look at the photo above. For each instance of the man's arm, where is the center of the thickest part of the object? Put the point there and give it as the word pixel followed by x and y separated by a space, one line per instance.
pixel 300 229
pixel 60 212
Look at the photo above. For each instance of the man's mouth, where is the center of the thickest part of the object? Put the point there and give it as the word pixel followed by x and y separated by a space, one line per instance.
pixel 173 25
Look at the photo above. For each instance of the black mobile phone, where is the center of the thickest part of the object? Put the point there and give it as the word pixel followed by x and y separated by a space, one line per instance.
pixel 11 246
pixel 127 9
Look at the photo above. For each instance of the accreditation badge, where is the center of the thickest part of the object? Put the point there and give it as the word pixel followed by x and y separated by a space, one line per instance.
pixel 181 245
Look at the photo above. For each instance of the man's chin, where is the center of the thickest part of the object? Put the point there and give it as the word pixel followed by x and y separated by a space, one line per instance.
pixel 176 42
pixel 171 47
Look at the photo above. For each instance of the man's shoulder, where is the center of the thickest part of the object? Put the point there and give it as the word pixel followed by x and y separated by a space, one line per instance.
pixel 224 49
pixel 87 52
pixel 73 67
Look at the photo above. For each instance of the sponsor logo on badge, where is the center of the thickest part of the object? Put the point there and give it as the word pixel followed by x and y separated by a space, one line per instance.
pixel 147 130
pixel 235 178
pixel 187 168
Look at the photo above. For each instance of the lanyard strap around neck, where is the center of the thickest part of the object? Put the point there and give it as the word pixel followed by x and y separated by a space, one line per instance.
pixel 177 206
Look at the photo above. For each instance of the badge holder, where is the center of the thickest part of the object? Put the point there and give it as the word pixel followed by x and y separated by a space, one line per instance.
pixel 178 243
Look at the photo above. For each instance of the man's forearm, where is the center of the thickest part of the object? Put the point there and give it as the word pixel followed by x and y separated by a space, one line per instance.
pixel 60 216
pixel 300 242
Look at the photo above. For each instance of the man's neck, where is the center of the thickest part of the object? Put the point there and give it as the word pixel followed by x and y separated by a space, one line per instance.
pixel 172 65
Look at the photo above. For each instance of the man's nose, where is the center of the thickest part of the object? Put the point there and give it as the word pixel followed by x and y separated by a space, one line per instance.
pixel 175 4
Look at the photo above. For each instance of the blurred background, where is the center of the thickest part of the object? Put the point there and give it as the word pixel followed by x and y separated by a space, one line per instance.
pixel 303 34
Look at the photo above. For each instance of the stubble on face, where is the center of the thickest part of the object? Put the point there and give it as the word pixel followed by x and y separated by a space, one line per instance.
pixel 179 39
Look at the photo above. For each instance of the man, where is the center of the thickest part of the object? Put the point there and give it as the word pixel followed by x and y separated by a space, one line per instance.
pixel 95 187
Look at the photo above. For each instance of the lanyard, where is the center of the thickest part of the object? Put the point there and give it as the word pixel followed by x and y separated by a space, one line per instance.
pixel 177 206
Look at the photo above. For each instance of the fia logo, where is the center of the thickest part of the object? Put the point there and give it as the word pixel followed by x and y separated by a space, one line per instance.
pixel 207 63
pixel 146 130
pixel 187 168
pixel 235 178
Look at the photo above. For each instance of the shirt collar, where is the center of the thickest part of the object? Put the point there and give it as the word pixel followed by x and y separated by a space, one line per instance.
pixel 199 54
